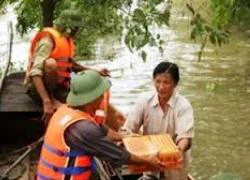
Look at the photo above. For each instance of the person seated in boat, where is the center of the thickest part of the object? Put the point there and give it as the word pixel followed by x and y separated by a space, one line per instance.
pixel 51 62
pixel 165 111
pixel 74 136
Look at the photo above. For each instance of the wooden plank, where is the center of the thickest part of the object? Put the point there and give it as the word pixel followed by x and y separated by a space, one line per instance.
pixel 14 97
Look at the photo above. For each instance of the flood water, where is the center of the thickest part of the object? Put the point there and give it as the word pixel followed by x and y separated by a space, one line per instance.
pixel 218 87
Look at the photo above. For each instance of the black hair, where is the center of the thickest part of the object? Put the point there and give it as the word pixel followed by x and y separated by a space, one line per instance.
pixel 167 67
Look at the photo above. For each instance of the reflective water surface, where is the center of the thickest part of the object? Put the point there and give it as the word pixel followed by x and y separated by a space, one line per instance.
pixel 218 87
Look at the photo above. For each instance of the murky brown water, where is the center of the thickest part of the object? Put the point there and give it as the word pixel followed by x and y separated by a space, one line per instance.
pixel 218 87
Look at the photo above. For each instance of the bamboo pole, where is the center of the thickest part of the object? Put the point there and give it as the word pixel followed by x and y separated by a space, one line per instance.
pixel 10 44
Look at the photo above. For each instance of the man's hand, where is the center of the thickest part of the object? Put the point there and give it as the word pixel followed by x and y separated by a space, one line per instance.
pixel 49 107
pixel 151 161
pixel 79 67
pixel 104 72
pixel 56 104
pixel 175 163
pixel 128 133
pixel 114 136
pixel 48 110
pixel 115 118
pixel 181 159
pixel 155 162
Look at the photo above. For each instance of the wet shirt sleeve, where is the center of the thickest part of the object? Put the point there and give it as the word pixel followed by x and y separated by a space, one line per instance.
pixel 87 136
pixel 43 50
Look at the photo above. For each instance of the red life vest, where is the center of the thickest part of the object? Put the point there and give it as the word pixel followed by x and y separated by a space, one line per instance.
pixel 63 52
pixel 56 155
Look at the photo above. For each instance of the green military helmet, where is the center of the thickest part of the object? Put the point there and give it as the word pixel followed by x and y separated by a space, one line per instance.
pixel 86 86
pixel 69 19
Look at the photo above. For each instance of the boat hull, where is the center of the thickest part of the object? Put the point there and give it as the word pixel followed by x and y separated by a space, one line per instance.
pixel 19 114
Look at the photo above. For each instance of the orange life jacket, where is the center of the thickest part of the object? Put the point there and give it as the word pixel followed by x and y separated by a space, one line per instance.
pixel 63 52
pixel 56 157
pixel 102 112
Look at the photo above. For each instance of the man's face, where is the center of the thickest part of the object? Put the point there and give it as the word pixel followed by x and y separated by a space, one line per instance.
pixel 71 32
pixel 74 31
pixel 164 85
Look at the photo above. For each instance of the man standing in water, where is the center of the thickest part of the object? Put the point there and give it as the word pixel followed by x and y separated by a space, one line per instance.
pixel 165 111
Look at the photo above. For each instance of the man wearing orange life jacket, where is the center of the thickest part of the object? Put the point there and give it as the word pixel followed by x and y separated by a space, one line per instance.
pixel 51 62
pixel 73 136
pixel 109 114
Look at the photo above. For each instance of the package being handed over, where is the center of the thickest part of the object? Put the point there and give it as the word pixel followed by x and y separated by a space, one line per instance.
pixel 161 144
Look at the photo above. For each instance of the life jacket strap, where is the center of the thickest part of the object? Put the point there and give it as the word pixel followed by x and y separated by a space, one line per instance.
pixel 43 177
pixel 64 65
pixel 63 153
pixel 63 74
pixel 65 170
pixel 66 59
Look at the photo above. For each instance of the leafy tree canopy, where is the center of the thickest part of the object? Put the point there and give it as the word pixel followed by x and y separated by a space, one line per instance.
pixel 212 20
pixel 101 17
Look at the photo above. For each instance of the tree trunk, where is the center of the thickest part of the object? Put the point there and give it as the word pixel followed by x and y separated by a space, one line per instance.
pixel 48 7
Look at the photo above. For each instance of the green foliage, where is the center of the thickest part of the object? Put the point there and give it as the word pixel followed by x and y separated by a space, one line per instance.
pixel 163 18
pixel 3 4
pixel 202 31
pixel 85 44
pixel 222 15
pixel 28 15
pixel 124 19
pixel 101 18
pixel 227 12
pixel 137 24
pixel 211 86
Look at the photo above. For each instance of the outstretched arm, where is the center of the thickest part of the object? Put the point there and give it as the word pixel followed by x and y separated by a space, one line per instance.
pixel 151 160
pixel 77 67
pixel 115 118
pixel 114 136
pixel 88 137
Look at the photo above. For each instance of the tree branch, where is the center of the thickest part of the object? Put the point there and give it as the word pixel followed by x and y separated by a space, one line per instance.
pixel 1 3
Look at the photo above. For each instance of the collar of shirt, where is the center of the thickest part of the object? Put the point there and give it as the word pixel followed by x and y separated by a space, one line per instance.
pixel 170 103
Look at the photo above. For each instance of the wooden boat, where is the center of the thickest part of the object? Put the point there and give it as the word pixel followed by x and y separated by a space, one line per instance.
pixel 20 115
